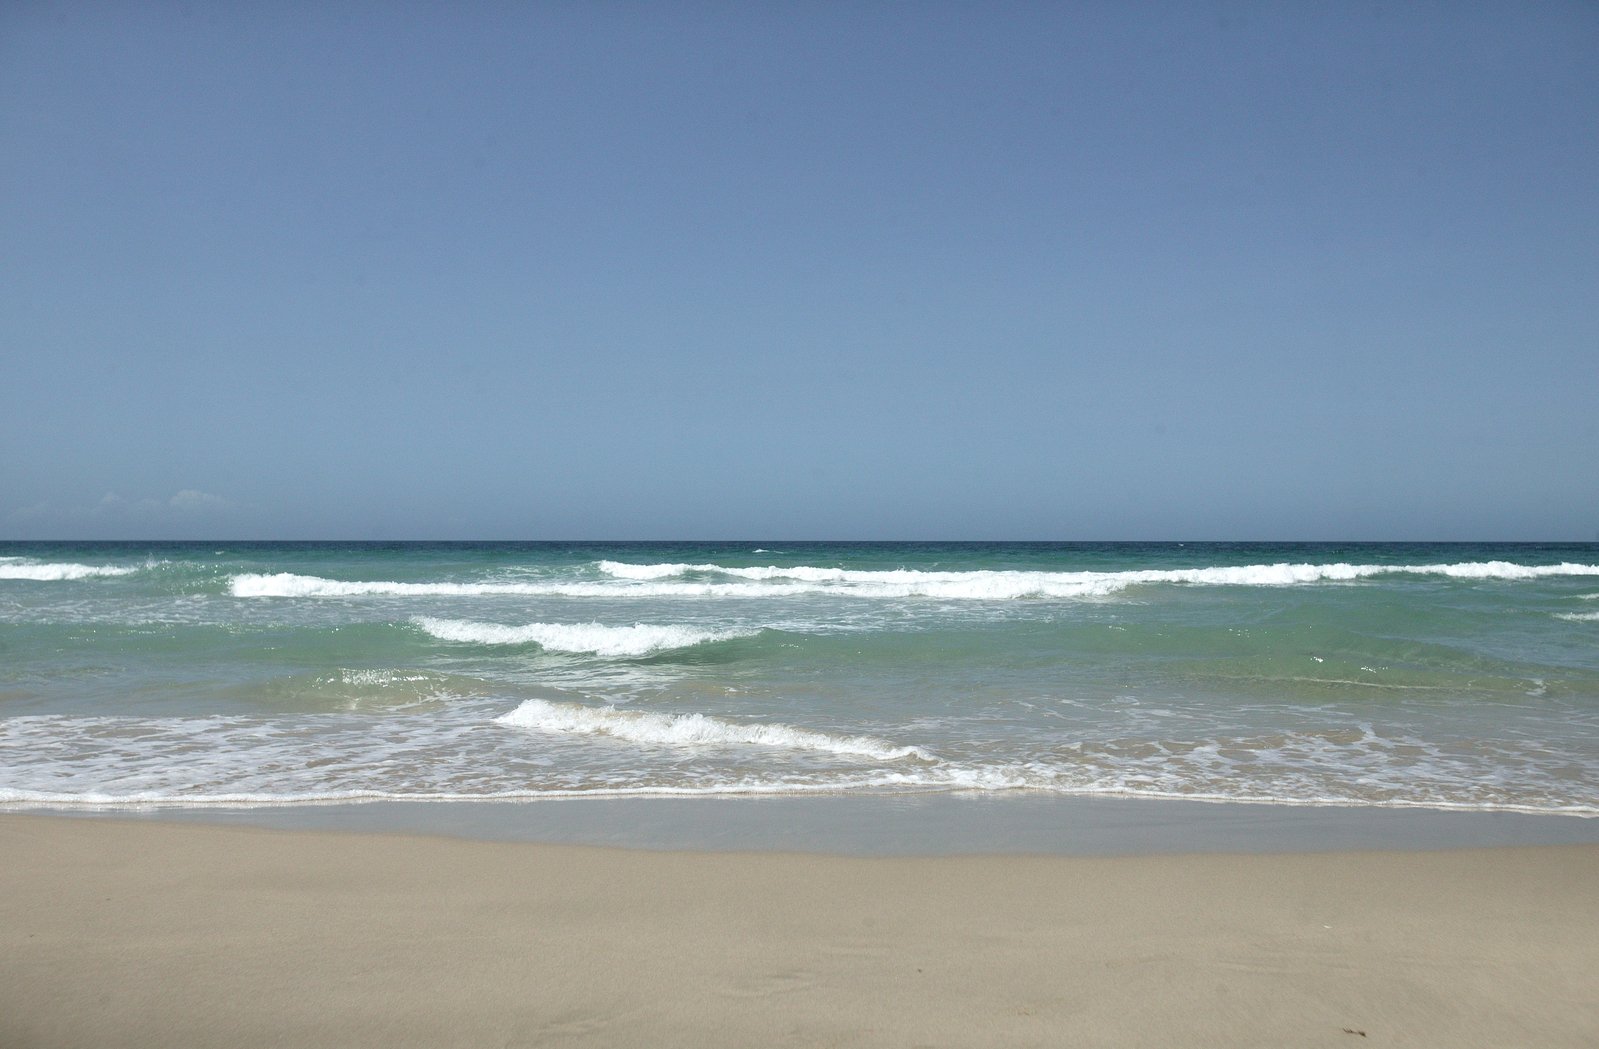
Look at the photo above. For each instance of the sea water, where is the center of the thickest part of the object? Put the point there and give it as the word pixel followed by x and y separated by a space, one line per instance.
pixel 1446 676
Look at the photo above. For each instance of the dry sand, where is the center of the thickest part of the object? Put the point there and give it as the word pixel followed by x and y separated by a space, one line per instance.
pixel 124 933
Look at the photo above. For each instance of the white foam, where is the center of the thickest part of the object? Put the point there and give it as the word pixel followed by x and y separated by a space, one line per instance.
pixel 591 638
pixel 382 678
pixel 1578 617
pixel 979 781
pixel 666 580
pixel 1006 585
pixel 288 584
pixel 689 729
pixel 623 570
pixel 43 572
pixel 55 760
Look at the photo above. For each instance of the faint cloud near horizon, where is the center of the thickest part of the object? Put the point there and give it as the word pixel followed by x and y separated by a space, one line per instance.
pixel 187 505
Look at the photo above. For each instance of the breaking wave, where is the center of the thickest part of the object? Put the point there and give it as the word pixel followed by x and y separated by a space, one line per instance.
pixel 588 638
pixel 710 580
pixel 1000 585
pixel 11 568
pixel 688 729
pixel 288 584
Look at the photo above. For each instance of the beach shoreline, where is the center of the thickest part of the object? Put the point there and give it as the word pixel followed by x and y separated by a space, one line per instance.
pixel 159 932
pixel 907 824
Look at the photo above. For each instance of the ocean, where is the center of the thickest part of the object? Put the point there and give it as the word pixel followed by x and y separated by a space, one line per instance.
pixel 1440 676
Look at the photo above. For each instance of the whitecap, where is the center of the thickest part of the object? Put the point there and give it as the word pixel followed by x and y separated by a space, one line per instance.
pixel 695 729
pixel 49 572
pixel 1000 585
pixel 639 639
pixel 669 580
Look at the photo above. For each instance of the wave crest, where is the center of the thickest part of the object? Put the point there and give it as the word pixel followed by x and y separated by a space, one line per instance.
pixel 1003 585
pixel 691 729
pixel 675 580
pixel 288 584
pixel 641 639
pixel 49 572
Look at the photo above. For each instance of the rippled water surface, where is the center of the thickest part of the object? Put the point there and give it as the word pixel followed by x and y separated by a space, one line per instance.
pixel 1437 675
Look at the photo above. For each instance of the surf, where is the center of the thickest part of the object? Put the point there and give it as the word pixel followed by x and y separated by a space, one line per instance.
pixel 696 729
pixel 640 639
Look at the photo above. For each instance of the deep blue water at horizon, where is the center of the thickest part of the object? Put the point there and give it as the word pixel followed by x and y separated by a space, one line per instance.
pixel 1439 675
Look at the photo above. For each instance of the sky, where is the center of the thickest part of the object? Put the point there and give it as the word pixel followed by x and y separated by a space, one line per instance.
pixel 814 270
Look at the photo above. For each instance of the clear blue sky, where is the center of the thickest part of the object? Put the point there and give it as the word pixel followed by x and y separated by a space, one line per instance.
pixel 830 270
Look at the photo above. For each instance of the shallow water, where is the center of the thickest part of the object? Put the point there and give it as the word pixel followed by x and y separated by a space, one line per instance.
pixel 1449 676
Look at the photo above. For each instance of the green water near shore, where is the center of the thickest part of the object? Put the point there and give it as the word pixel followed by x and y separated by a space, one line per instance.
pixel 1444 676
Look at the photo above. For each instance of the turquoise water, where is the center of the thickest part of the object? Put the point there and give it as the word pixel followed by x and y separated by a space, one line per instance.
pixel 1433 675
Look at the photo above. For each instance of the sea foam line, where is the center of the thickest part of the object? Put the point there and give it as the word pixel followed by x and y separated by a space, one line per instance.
pixel 641 639
pixel 986 781
pixel 141 761
pixel 687 729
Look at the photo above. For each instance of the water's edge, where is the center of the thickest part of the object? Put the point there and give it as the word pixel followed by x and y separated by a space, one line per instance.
pixel 907 825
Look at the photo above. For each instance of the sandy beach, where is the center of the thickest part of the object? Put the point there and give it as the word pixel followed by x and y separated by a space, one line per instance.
pixel 134 933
